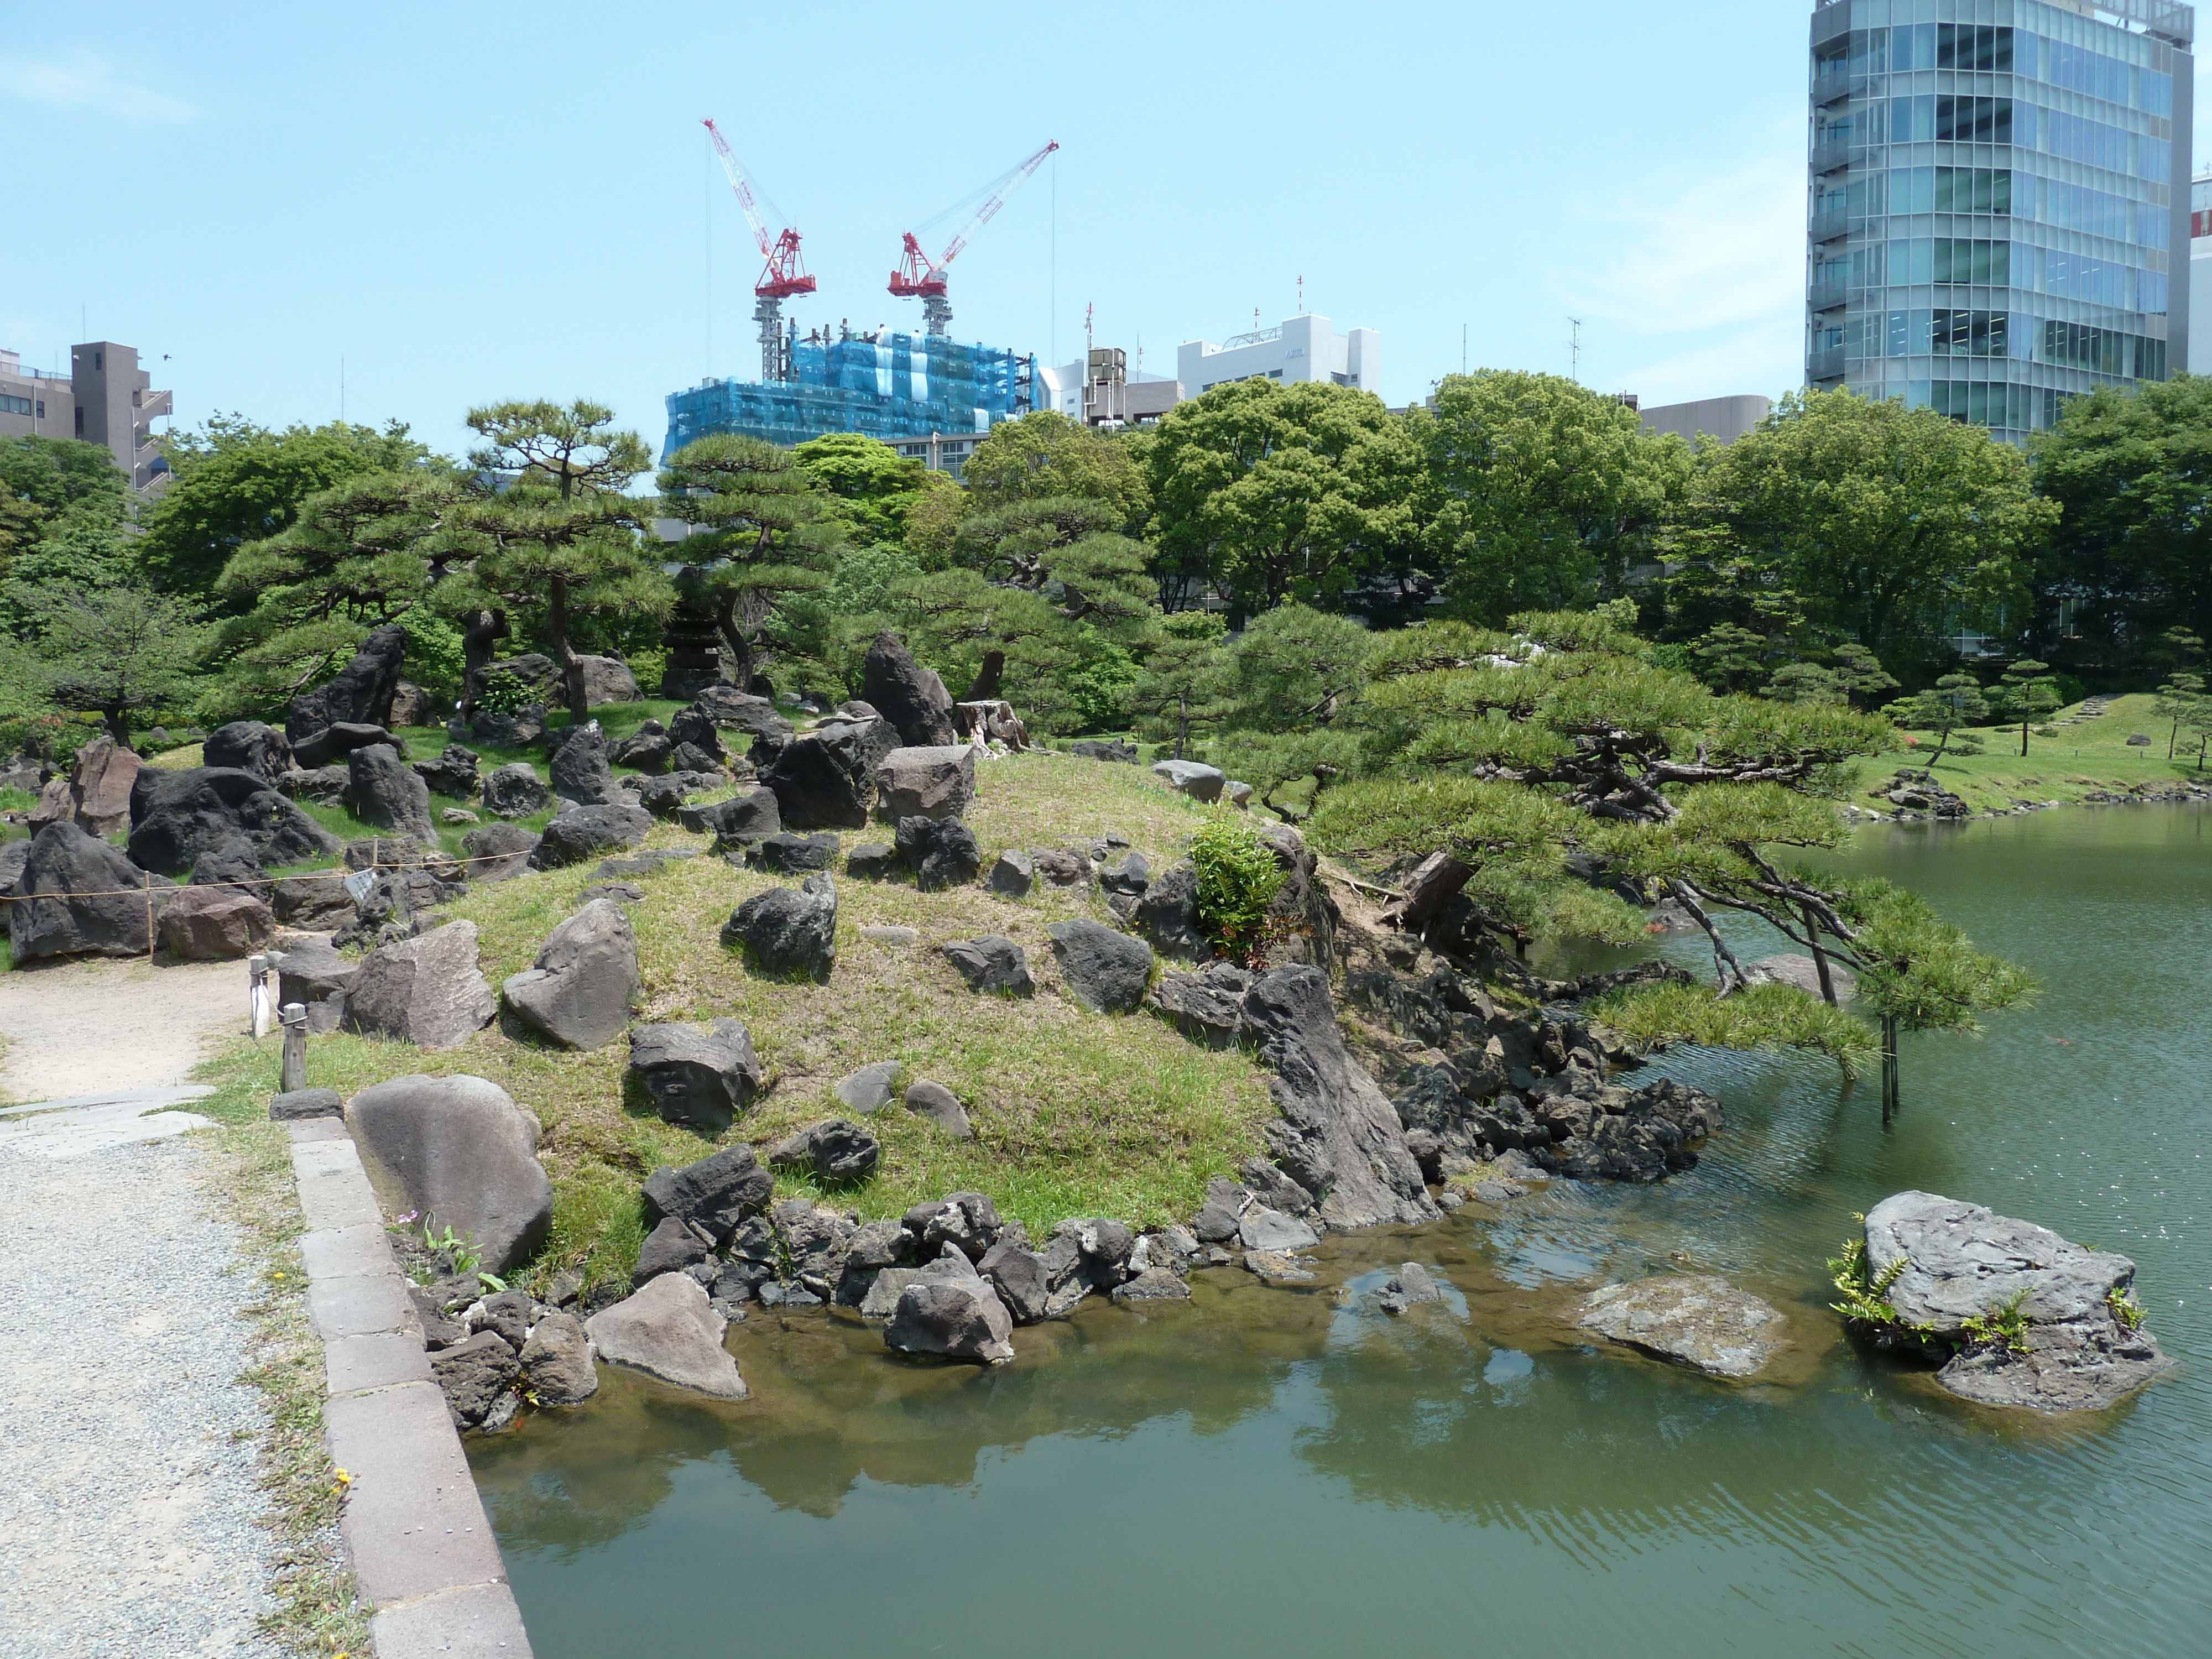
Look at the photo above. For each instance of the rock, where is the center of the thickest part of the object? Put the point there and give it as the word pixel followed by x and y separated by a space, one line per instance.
pixel 608 679
pixel 1220 1216
pixel 1619 1135
pixel 1262 1229
pixel 452 775
pixel 65 860
pixel 647 750
pixel 1128 876
pixel 478 1376
pixel 713 1196
pixel 1276 1267
pixel 1207 1007
pixel 835 1150
pixel 1013 875
pixel 727 709
pixel 701 1079
pixel 557 1367
pixel 249 747
pixel 670 1248
pixel 215 924
pixel 941 851
pixel 911 697
pixel 580 990
pixel 383 790
pixel 993 965
pixel 1200 783
pixel 1167 914
pixel 666 1330
pixel 788 930
pixel 1119 751
pixel 580 770
pixel 1415 1284
pixel 498 851
pixel 587 833
pixel 745 815
pixel 1020 1276
pixel 969 1222
pixel 1107 972
pixel 539 676
pixel 621 892
pixel 934 1101
pixel 361 692
pixel 662 797
pixel 426 990
pixel 928 782
pixel 330 745
pixel 1238 794
pixel 1338 1137
pixel 821 781
pixel 177 816
pixel 462 1155
pixel 317 978
pixel 1153 1284
pixel 519 730
pixel 868 1090
pixel 234 865
pixel 324 785
pixel 1064 872
pixel 961 1318
pixel 992 719
pixel 1697 1320
pixel 786 854
pixel 1790 967
pixel 412 706
pixel 515 790
pixel 874 860
pixel 894 936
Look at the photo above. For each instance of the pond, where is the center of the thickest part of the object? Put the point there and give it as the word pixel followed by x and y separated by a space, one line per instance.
pixel 1266 1472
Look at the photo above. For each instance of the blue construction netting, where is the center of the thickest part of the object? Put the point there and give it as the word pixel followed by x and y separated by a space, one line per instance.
pixel 902 385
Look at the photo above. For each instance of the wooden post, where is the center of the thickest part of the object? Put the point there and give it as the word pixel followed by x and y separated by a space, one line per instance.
pixel 294 1073
pixel 150 918
pixel 1889 1090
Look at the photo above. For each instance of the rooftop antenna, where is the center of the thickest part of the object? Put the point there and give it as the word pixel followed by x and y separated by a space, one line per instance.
pixel 1575 350
pixel 1302 293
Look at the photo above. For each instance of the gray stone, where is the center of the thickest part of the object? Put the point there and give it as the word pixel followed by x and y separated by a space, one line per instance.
pixel 96 796
pixel 667 1331
pixel 786 854
pixel 911 697
pixel 934 1101
pixel 1013 875
pixel 300 1104
pixel 715 1195
pixel 1167 914
pixel 836 1152
pixel 426 990
pixel 461 1154
pixel 1153 1284
pixel 1695 1319
pixel 701 1079
pixel 730 709
pixel 892 935
pixel 749 813
pixel 580 990
pixel 177 816
pixel 1221 1215
pixel 1277 1267
pixel 452 775
pixel 384 791
pixel 1107 972
pixel 941 851
pixel 478 1376
pixel 1119 750
pixel 608 679
pixel 557 1367
pixel 249 747
pixel 821 781
pixel 993 965
pixel 1129 875
pixel 1207 1007
pixel 324 785
pixel 1238 794
pixel 928 782
pixel 670 1248
pixel 317 978
pixel 580 770
pixel 65 860
pixel 1414 1283
pixel 967 1221
pixel 361 692
pixel 1793 968
pixel 1262 1229
pixel 515 790
pixel 1200 783
pixel 498 852
pixel 868 1090
pixel 1021 1278
pixel 872 860
pixel 333 744
pixel 587 833
pixel 1063 871
pixel 959 1318
pixel 788 930
pixel 214 924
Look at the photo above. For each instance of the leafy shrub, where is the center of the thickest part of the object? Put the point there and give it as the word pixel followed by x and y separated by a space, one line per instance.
pixel 1237 880
pixel 47 736
pixel 504 692
pixel 437 654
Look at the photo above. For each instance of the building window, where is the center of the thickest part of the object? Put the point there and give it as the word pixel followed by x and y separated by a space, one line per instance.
pixel 42 409
pixel 98 358
pixel 80 422
pixel 13 406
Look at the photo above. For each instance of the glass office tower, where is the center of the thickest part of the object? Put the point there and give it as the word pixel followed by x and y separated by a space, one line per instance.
pixel 1998 218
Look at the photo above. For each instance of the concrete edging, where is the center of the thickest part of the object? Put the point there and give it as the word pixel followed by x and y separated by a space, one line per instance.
pixel 415 1533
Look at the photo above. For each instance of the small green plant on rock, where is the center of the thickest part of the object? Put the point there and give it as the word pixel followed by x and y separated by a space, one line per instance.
pixel 1237 880
pixel 503 692
pixel 2127 1312
pixel 2007 1325
pixel 1866 1293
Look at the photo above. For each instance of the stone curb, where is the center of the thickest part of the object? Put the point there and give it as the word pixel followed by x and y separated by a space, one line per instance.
pixel 416 1532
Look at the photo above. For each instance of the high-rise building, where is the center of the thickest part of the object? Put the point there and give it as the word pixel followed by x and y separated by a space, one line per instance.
pixel 1999 211
pixel 106 399
pixel 2200 275
pixel 1300 348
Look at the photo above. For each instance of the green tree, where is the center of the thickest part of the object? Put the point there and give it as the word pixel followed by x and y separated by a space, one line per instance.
pixel 2179 698
pixel 1180 690
pixel 111 650
pixel 1044 455
pixel 1954 701
pixel 874 489
pixel 1805 682
pixel 1539 493
pixel 62 475
pixel 1282 492
pixel 1731 658
pixel 763 530
pixel 2025 693
pixel 1888 523
pixel 1859 672
pixel 19 523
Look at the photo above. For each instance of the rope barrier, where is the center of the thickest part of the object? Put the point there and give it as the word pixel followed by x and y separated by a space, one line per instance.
pixel 149 890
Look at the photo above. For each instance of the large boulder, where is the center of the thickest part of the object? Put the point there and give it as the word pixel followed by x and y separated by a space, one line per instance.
pixel 701 1079
pixel 1118 749
pixel 96 795
pixel 647 750
pixel 580 989
pixel 667 1330
pixel 957 1314
pixel 330 745
pixel 50 914
pixel 361 692
pixel 384 791
pixel 821 781
pixel 911 697
pixel 670 1248
pixel 249 747
pixel 1167 914
pixel 1607 1133
pixel 1200 783
pixel 713 1195
pixel 993 965
pixel 1106 971
pixel 1795 967
pixel 557 1367
pixel 452 775
pixel 214 924
pixel 608 679
pixel 941 851
pixel 1963 1273
pixel 929 783
pixel 1338 1136
pixel 177 816
pixel 745 815
pixel 1207 1007
pixel 589 832
pixel 1694 1319
pixel 788 930
pixel 727 709
pixel 427 990
pixel 324 785
pixel 515 790
pixel 319 979
pixel 477 1375
pixel 496 852
pixel 461 1154
pixel 580 768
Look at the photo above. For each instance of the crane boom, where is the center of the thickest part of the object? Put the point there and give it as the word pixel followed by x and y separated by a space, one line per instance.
pixel 783 276
pixel 918 274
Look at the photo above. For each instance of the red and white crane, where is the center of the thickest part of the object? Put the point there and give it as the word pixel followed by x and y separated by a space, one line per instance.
pixel 918 274
pixel 783 276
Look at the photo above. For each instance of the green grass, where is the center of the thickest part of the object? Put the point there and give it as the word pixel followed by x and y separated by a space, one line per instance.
pixel 2078 760
pixel 1075 1113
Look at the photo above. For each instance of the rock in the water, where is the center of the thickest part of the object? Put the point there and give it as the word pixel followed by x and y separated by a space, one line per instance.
pixel 587 833
pixel 666 1330
pixel 498 851
pixel 701 1079
pixel 713 1195
pixel 821 781
pixel 580 768
pixel 65 860
pixel 1414 1285
pixel 941 851
pixel 835 1150
pixel 993 965
pixel 1153 1284
pixel 580 990
pixel 427 990
pixel 786 854
pixel 1106 971
pixel 464 1156
pixel 1793 968
pixel 515 790
pixel 788 930
pixel 383 790
pixel 1262 1229
pixel 1338 1137
pixel 557 1367
pixel 1167 914
pixel 215 924
pixel 478 1376
pixel 1013 875
pixel 959 1317
pixel 927 783
pixel 1613 1133
pixel 249 747
pixel 177 816
pixel 868 1090
pixel 361 693
pixel 1698 1320
pixel 934 1101
pixel 1277 1267
pixel 1200 783
pixel 911 697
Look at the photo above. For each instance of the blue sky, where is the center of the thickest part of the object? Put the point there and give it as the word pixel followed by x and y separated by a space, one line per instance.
pixel 474 202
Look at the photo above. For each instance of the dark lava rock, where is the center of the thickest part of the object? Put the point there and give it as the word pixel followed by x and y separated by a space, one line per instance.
pixel 874 860
pixel 63 860
pixel 1207 1007
pixel 941 851
pixel 580 990
pixel 478 1376
pixel 788 930
pixel 703 1079
pixel 747 814
pixel 911 697
pixel 821 781
pixel 452 775
pixel 498 851
pixel 716 1194
pixel 993 963
pixel 837 1151
pixel 1106 971
pixel 249 747
pixel 786 854
pixel 670 1247
pixel 589 832
pixel 515 790
pixel 177 816
pixel 1119 751
pixel 1013 875
pixel 361 693
pixel 317 978
pixel 580 770
pixel 384 791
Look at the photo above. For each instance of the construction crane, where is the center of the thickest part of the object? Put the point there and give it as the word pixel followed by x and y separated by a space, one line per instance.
pixel 783 276
pixel 918 274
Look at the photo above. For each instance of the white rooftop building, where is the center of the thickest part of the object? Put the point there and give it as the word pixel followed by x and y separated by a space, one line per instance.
pixel 1301 347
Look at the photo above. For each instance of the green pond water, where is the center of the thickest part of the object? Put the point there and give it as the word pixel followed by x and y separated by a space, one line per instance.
pixel 1267 1473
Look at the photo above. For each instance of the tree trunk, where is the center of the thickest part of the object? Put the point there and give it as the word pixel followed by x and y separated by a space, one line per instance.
pixel 572 664
pixel 2023 739
pixel 1819 958
pixel 2173 736
pixel 117 718
pixel 1182 725
pixel 481 630
pixel 735 642
pixel 1889 1079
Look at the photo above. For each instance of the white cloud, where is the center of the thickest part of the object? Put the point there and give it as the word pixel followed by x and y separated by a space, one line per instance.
pixel 85 81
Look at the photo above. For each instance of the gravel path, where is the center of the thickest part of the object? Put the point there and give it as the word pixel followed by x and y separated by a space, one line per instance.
pixel 81 1028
